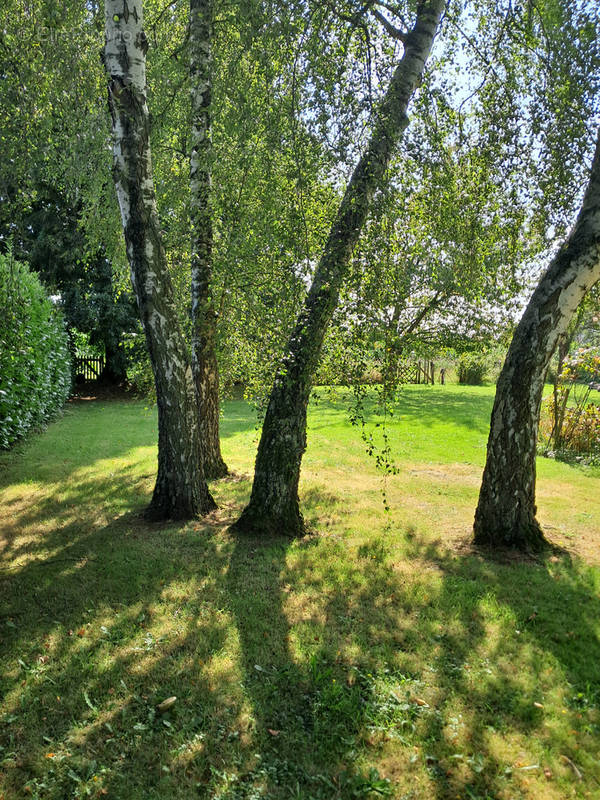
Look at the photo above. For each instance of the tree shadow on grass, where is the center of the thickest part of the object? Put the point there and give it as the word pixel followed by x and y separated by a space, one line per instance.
pixel 467 410
pixel 77 439
pixel 297 666
pixel 502 632
pixel 238 417
pixel 446 682
pixel 64 509
pixel 424 405
pixel 306 675
pixel 103 621
pixel 92 638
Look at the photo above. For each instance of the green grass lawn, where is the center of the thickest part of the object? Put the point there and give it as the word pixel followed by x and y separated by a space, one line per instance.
pixel 380 656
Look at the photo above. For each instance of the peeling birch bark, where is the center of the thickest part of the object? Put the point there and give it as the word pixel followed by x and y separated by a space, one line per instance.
pixel 506 512
pixel 204 319
pixel 274 505
pixel 180 491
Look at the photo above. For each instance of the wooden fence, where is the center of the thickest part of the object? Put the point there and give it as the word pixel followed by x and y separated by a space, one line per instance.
pixel 416 372
pixel 89 369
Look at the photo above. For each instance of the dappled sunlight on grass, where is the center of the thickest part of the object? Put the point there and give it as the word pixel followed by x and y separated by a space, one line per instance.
pixel 383 641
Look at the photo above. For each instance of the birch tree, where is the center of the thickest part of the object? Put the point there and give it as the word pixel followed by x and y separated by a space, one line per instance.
pixel 204 317
pixel 180 490
pixel 274 505
pixel 506 512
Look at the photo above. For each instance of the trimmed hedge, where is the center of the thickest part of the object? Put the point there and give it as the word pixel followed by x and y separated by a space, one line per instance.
pixel 35 364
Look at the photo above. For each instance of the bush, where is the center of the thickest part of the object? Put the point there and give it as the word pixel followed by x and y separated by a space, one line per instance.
pixel 472 369
pixel 579 428
pixel 569 421
pixel 35 365
pixel 140 378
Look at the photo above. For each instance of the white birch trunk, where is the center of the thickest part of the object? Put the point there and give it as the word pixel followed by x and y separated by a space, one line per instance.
pixel 506 512
pixel 274 505
pixel 180 490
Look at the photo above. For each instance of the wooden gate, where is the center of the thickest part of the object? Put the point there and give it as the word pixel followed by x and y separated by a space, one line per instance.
pixel 416 372
pixel 89 368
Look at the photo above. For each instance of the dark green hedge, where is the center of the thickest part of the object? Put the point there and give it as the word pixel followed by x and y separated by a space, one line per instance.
pixel 35 365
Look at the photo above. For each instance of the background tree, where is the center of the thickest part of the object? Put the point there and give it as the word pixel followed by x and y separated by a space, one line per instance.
pixel 425 278
pixel 51 240
pixel 204 318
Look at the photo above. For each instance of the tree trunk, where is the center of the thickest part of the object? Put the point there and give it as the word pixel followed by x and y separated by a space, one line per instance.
pixel 181 491
pixel 114 372
pixel 505 515
pixel 274 505
pixel 204 318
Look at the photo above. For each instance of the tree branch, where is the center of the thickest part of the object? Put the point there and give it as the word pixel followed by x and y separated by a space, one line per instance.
pixel 395 11
pixel 393 31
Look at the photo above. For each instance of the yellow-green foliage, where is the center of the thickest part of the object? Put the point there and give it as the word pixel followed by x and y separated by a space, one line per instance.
pixel 570 418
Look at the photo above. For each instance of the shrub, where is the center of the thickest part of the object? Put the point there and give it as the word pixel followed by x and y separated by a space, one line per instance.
pixel 579 432
pixel 35 365
pixel 569 421
pixel 472 369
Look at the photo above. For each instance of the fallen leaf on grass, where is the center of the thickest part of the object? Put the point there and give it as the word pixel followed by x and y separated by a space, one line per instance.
pixel 273 733
pixel 573 766
pixel 166 705
pixel 419 701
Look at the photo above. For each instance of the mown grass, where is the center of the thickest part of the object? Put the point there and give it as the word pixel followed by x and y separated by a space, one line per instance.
pixel 380 656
